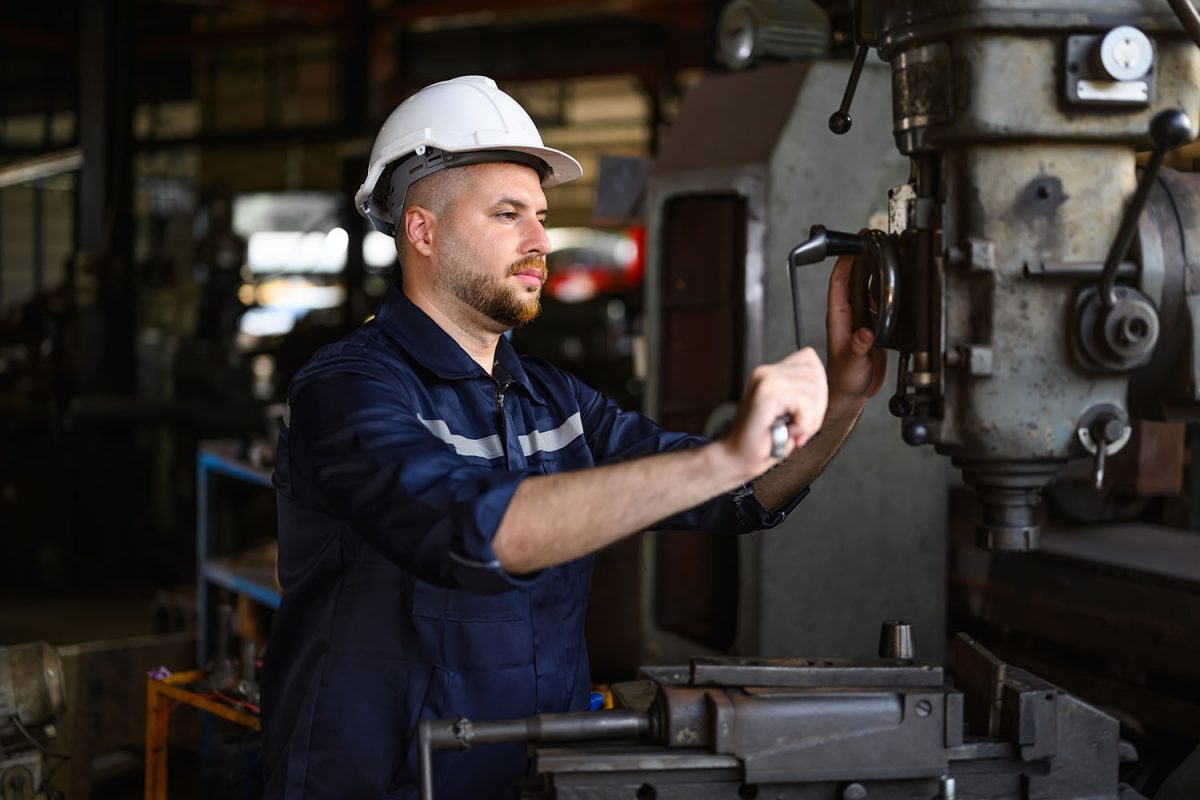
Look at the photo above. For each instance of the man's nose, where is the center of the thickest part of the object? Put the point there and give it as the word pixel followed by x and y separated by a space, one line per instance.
pixel 537 242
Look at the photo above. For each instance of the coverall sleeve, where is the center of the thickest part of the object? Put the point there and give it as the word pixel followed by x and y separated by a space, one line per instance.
pixel 358 443
pixel 618 435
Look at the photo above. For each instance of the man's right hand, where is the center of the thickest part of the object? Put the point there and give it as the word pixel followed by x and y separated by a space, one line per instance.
pixel 794 387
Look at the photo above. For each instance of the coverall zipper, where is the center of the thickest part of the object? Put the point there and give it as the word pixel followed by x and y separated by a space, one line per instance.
pixel 500 390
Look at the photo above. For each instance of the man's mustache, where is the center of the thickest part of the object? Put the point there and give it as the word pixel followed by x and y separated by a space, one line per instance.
pixel 530 262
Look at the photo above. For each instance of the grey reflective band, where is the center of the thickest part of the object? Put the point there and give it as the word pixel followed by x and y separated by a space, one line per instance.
pixel 549 441
pixel 487 447
pixel 395 181
pixel 490 447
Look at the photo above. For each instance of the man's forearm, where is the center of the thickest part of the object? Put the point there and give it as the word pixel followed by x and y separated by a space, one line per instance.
pixel 775 488
pixel 553 519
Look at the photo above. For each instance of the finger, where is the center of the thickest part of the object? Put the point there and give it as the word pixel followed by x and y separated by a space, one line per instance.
pixel 809 414
pixel 839 314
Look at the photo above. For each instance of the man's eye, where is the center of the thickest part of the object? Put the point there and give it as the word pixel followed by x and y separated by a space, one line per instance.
pixel 507 216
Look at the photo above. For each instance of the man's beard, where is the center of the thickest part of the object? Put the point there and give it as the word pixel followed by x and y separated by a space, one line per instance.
pixel 492 296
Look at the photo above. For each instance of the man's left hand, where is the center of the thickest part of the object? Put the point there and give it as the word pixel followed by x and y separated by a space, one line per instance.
pixel 855 370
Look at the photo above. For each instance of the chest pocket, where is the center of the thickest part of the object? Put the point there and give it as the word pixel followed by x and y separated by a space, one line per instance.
pixel 436 602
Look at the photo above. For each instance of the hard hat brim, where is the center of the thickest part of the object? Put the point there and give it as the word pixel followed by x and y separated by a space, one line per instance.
pixel 560 168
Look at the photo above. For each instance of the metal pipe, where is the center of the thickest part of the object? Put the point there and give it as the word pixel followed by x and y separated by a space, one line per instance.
pixel 1185 11
pixel 462 733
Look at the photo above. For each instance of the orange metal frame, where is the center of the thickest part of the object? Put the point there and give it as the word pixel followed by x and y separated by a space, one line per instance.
pixel 163 697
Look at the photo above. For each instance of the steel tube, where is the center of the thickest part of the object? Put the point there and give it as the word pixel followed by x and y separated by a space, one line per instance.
pixel 580 726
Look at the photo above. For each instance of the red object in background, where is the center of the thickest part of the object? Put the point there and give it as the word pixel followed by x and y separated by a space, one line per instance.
pixel 580 273
pixel 637 268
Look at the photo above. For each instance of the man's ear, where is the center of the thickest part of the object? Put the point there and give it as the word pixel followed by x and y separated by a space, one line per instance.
pixel 420 225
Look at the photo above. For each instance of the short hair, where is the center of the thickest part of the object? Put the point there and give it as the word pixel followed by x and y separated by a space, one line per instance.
pixel 438 191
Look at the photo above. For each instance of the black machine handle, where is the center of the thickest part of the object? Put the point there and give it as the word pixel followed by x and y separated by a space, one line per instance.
pixel 1168 130
pixel 820 244
pixel 839 121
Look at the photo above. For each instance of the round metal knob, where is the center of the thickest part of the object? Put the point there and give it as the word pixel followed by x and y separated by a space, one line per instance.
pixel 1170 128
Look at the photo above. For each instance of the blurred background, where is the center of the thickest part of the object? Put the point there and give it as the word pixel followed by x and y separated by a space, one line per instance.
pixel 177 238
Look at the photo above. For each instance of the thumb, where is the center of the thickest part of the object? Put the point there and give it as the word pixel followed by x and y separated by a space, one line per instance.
pixel 860 345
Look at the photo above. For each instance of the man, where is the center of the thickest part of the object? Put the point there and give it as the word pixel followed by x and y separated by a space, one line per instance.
pixel 440 497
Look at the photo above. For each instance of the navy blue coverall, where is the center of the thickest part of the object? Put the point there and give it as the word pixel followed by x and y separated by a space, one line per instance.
pixel 397 462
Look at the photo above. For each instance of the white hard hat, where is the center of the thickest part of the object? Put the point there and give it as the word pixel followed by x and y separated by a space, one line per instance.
pixel 456 122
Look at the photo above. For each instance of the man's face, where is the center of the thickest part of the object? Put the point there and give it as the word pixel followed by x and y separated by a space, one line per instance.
pixel 492 244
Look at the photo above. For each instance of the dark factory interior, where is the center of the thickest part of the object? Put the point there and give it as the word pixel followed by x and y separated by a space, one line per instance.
pixel 990 590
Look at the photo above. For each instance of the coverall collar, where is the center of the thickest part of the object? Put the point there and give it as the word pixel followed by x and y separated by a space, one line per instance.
pixel 436 350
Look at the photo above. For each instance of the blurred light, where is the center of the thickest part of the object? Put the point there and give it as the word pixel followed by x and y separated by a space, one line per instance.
pixel 294 251
pixel 246 294
pixel 574 288
pixel 262 366
pixel 374 285
pixel 625 251
pixel 299 294
pixel 267 322
pixel 379 250
pixel 335 245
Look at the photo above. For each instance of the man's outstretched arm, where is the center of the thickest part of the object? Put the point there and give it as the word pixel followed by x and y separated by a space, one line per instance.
pixel 556 518
pixel 553 519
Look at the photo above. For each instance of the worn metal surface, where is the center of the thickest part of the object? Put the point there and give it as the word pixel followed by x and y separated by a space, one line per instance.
pixel 812 672
pixel 837 742
pixel 20 775
pixel 1106 612
pixel 1036 203
pixel 31 685
pixel 1019 183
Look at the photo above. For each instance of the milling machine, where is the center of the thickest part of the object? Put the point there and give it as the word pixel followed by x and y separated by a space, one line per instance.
pixel 1041 295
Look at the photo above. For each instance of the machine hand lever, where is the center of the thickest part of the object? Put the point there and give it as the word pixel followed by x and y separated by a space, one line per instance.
pixel 819 245
pixel 1168 129
pixel 822 243
pixel 839 121
pixel 1098 466
pixel 1105 431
